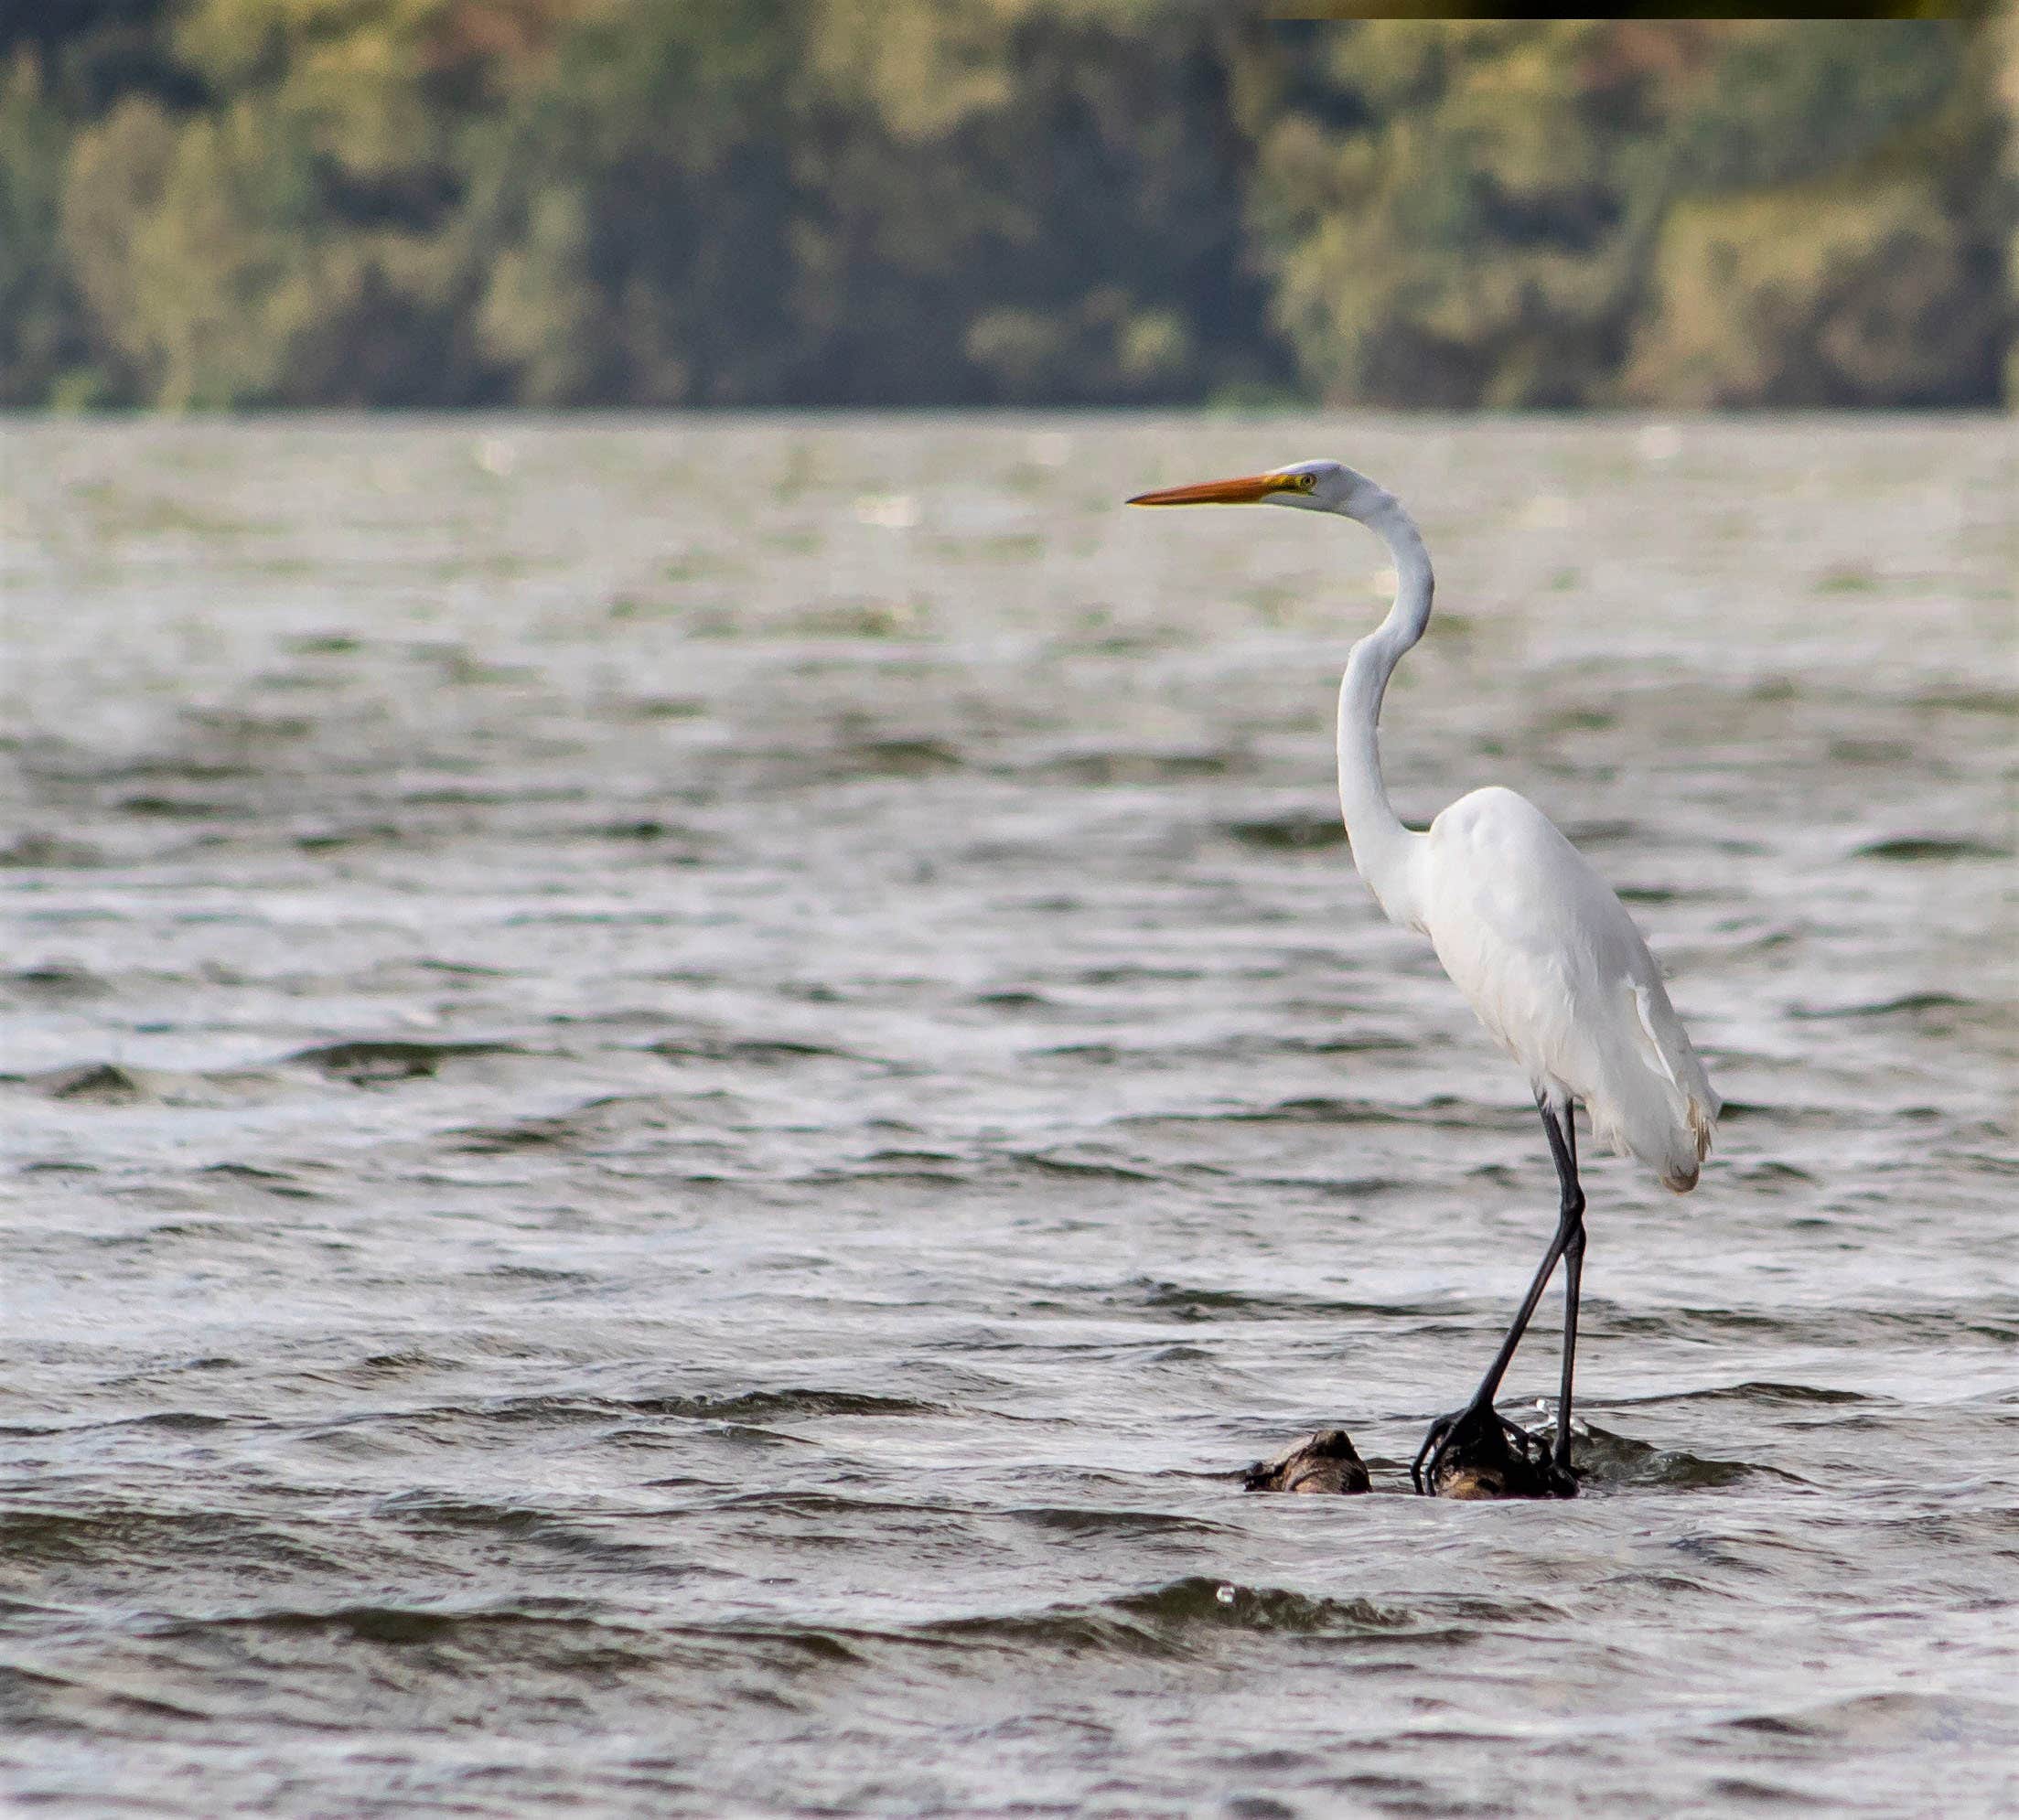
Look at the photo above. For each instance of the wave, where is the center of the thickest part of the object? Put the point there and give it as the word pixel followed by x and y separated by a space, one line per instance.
pixel 1612 1461
pixel 56 983
pixel 593 1119
pixel 95 1083
pixel 1753 1390
pixel 510 1629
pixel 1905 1005
pixel 368 1062
pixel 1295 833
pixel 1199 1302
pixel 130 1536
pixel 744 1406
pixel 1176 1620
pixel 1919 848
pixel 758 1051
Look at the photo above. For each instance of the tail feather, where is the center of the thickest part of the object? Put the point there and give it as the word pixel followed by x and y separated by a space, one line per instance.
pixel 1667 1117
pixel 1702 1120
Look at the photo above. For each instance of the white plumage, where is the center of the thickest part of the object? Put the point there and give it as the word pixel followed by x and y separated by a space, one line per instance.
pixel 1550 961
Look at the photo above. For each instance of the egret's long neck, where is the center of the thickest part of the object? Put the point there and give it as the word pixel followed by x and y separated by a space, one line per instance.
pixel 1384 849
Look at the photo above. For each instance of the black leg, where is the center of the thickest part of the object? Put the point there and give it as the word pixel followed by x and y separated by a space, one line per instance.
pixel 1557 1123
pixel 1562 1132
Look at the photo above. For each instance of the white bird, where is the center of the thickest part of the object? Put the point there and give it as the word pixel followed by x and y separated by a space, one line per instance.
pixel 1542 950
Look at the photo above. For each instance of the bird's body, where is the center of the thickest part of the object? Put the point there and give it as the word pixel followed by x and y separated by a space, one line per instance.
pixel 1552 966
pixel 1540 945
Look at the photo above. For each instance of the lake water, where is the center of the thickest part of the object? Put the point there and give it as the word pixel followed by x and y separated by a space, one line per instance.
pixel 678 1094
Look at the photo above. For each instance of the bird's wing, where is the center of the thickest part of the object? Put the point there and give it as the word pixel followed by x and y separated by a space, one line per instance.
pixel 1553 967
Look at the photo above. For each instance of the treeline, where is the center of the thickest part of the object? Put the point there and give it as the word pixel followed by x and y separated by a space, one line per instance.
pixel 221 203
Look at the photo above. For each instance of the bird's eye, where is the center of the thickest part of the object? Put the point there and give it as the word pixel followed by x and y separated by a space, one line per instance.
pixel 1305 482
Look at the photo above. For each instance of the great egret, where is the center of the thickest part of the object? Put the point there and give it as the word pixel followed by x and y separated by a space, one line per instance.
pixel 1543 951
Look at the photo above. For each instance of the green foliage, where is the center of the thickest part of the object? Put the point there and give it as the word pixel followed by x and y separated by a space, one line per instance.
pixel 1836 233
pixel 291 241
pixel 2000 57
pixel 637 207
pixel 1454 213
pixel 1031 198
pixel 1848 295
pixel 228 203
pixel 38 337
pixel 1571 212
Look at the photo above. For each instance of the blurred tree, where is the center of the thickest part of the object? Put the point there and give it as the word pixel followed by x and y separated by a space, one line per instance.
pixel 1454 212
pixel 1026 201
pixel 40 341
pixel 870 200
pixel 1837 226
pixel 287 243
pixel 247 202
pixel 2006 55
pixel 116 178
pixel 636 209
pixel 1495 213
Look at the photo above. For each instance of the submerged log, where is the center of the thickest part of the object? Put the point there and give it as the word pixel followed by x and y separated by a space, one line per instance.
pixel 1486 1457
pixel 1325 1462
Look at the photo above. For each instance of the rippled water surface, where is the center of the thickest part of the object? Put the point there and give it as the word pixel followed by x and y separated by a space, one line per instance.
pixel 677 1095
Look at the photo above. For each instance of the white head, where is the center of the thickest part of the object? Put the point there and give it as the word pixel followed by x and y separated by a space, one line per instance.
pixel 1316 486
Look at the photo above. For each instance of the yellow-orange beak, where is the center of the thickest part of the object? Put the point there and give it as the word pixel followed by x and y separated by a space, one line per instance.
pixel 1245 491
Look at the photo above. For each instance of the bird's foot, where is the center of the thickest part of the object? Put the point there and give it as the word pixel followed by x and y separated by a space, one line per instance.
pixel 1476 1452
pixel 1478 1428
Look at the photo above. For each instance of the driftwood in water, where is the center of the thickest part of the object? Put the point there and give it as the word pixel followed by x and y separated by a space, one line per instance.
pixel 1483 1459
pixel 1325 1462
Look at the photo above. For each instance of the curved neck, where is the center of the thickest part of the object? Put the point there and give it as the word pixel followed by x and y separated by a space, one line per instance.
pixel 1383 850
